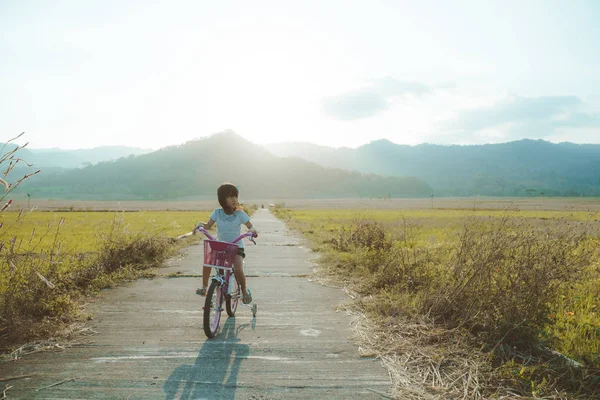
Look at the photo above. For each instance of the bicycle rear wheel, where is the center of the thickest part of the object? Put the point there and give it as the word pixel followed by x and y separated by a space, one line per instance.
pixel 212 309
pixel 231 301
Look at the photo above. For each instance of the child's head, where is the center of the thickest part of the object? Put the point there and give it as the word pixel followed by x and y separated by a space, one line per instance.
pixel 228 197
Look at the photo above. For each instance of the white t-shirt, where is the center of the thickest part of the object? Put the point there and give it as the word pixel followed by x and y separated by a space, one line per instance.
pixel 228 226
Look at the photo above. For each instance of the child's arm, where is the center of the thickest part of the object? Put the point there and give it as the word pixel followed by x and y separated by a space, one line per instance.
pixel 250 226
pixel 248 223
pixel 209 224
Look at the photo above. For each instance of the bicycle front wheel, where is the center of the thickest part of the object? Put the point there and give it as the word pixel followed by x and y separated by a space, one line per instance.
pixel 212 309
pixel 231 301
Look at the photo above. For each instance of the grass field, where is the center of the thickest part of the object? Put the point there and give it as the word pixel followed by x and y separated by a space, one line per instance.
pixel 512 280
pixel 83 231
pixel 51 261
pixel 436 224
pixel 404 267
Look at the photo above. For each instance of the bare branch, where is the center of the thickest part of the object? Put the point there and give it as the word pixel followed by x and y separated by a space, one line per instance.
pixel 15 138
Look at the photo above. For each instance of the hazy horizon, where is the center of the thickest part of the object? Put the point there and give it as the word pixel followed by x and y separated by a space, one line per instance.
pixel 279 143
pixel 79 75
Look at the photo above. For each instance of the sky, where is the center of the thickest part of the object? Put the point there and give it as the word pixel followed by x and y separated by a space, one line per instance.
pixel 81 74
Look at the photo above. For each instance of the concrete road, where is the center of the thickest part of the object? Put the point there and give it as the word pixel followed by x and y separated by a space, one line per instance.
pixel 150 343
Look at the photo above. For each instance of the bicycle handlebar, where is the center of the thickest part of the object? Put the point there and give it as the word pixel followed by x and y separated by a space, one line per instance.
pixel 203 231
pixel 250 234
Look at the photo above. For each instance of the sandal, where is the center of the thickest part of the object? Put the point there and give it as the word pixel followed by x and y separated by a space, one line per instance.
pixel 247 298
pixel 201 291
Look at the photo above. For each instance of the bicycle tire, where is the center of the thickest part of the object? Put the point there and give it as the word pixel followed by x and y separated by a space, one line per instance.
pixel 231 301
pixel 214 301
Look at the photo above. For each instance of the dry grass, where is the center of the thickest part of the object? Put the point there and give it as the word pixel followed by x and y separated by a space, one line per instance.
pixel 446 203
pixel 41 288
pixel 51 262
pixel 426 361
pixel 460 317
pixel 73 335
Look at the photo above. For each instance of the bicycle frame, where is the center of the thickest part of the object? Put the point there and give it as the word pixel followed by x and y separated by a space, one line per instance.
pixel 224 287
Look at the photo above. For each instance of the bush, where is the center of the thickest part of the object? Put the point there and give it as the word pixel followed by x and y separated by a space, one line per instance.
pixel 362 234
pixel 504 275
pixel 41 290
pixel 250 209
pixel 139 250
pixel 499 278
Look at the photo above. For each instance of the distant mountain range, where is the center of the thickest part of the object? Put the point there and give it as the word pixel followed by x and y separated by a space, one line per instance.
pixel 196 168
pixel 302 170
pixel 58 158
pixel 520 168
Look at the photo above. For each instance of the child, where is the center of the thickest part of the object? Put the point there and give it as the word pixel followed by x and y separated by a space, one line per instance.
pixel 228 219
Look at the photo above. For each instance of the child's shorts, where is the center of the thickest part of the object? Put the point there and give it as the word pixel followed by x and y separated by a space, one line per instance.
pixel 240 252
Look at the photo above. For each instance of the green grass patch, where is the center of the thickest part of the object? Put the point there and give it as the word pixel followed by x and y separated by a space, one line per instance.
pixel 84 231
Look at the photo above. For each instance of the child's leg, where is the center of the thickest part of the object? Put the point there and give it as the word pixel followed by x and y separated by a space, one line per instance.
pixel 205 276
pixel 238 266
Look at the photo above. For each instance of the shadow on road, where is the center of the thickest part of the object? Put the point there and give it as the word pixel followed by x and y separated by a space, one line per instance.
pixel 214 374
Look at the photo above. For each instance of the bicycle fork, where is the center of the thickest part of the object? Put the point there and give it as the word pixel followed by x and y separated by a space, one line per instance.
pixel 221 282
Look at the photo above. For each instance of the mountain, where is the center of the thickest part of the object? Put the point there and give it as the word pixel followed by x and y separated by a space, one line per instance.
pixel 519 168
pixel 320 154
pixel 196 168
pixel 59 158
pixel 77 158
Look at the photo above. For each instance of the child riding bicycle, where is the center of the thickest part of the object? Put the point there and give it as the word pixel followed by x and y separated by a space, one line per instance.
pixel 228 218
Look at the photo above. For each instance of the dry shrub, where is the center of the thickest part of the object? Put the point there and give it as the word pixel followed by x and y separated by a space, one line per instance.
pixel 499 277
pixel 34 288
pixel 407 267
pixel 392 265
pixel 249 209
pixel 362 235
pixel 40 291
pixel 505 274
pixel 468 313
pixel 281 212
pixel 140 253
pixel 122 255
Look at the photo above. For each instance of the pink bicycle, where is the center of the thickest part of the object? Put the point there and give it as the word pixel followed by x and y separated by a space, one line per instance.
pixel 224 285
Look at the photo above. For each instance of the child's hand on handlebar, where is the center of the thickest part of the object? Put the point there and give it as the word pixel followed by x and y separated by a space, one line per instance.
pixel 198 226
pixel 255 234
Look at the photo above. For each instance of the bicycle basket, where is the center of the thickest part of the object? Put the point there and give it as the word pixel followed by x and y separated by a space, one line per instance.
pixel 219 254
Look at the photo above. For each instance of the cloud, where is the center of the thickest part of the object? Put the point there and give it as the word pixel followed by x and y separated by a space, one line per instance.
pixel 355 105
pixel 579 120
pixel 516 116
pixel 371 100
pixel 392 87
